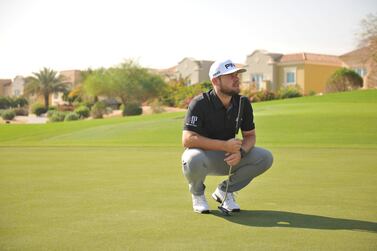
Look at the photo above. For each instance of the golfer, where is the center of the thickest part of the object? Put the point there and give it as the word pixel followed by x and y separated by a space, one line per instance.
pixel 211 146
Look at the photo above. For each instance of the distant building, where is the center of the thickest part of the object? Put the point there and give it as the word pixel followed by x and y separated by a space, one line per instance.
pixel 168 74
pixel 72 76
pixel 15 88
pixel 74 79
pixel 307 70
pixel 5 87
pixel 193 71
pixel 361 61
pixel 272 71
pixel 262 72
pixel 18 86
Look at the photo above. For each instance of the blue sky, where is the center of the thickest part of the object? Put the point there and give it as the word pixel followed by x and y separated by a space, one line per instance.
pixel 77 34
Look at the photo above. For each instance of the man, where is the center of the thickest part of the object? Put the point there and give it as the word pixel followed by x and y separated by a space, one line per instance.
pixel 211 146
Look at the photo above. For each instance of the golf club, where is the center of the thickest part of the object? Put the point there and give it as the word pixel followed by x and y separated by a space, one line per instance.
pixel 238 124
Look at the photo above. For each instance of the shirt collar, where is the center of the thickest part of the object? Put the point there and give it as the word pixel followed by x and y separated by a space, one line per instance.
pixel 217 102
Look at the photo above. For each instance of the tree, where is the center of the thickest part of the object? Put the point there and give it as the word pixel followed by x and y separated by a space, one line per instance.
pixel 96 83
pixel 128 82
pixel 74 95
pixel 368 34
pixel 344 79
pixel 177 93
pixel 44 83
pixel 368 38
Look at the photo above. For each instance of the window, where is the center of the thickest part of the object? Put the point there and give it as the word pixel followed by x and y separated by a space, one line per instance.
pixel 257 78
pixel 290 76
pixel 361 71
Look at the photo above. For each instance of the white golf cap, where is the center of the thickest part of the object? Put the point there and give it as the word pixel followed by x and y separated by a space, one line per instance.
pixel 223 67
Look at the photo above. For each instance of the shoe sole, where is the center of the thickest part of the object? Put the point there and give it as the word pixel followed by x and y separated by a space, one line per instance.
pixel 202 212
pixel 218 199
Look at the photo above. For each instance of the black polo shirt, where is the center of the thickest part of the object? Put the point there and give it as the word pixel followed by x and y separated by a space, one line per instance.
pixel 208 117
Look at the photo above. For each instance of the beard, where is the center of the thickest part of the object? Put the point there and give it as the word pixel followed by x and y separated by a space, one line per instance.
pixel 228 91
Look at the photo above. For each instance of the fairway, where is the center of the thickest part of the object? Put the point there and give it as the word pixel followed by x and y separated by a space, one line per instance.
pixel 116 184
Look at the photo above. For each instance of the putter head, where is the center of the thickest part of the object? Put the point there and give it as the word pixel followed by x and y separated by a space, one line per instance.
pixel 224 211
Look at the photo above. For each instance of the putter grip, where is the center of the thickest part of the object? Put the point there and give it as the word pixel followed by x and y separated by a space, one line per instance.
pixel 239 115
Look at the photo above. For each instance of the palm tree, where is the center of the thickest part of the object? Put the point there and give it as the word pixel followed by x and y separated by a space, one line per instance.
pixel 44 83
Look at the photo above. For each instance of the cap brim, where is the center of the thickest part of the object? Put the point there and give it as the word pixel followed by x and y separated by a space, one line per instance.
pixel 238 70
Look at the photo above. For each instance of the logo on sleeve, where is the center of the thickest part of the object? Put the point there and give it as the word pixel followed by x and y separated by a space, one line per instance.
pixel 192 121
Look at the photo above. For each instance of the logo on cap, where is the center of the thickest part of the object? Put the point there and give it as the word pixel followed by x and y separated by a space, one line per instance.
pixel 230 65
pixel 216 73
pixel 219 68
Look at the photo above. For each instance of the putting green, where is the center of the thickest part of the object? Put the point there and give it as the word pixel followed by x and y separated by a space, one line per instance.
pixel 116 184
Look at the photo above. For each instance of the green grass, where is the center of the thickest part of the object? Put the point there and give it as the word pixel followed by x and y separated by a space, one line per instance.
pixel 116 184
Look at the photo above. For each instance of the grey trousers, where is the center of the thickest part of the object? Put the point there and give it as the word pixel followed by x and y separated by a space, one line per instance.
pixel 197 164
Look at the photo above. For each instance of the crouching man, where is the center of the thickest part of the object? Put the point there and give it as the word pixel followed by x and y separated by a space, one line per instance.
pixel 211 146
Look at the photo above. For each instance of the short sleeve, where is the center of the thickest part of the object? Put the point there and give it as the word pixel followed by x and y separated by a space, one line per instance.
pixel 248 117
pixel 195 117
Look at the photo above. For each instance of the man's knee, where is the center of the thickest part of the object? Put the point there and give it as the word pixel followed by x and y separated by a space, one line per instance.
pixel 262 157
pixel 193 161
pixel 269 158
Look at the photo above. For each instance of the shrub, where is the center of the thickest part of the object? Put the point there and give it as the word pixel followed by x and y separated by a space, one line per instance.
pixel 344 80
pixel 157 107
pixel 76 104
pixel 263 96
pixel 21 111
pixel 8 115
pixel 71 116
pixel 56 116
pixel 112 103
pixel 290 92
pixel 82 111
pixel 65 108
pixel 132 108
pixel 50 113
pixel 4 103
pixel 38 109
pixel 20 102
pixel 312 93
pixel 108 110
pixel 9 102
pixel 98 110
pixel 86 103
pixel 176 93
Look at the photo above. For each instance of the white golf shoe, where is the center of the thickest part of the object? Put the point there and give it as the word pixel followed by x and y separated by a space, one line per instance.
pixel 229 203
pixel 200 205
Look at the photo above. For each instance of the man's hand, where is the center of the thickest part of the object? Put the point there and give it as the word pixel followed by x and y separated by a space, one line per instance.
pixel 232 159
pixel 233 145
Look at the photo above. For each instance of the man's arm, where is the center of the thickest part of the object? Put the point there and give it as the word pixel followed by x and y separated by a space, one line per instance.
pixel 249 140
pixel 192 139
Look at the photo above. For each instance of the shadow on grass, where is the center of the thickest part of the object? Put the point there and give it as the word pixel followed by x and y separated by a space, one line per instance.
pixel 261 218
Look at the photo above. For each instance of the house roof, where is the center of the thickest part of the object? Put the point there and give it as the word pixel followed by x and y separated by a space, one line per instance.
pixel 5 82
pixel 362 54
pixel 167 71
pixel 311 57
pixel 187 58
pixel 198 62
pixel 273 55
pixel 203 62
